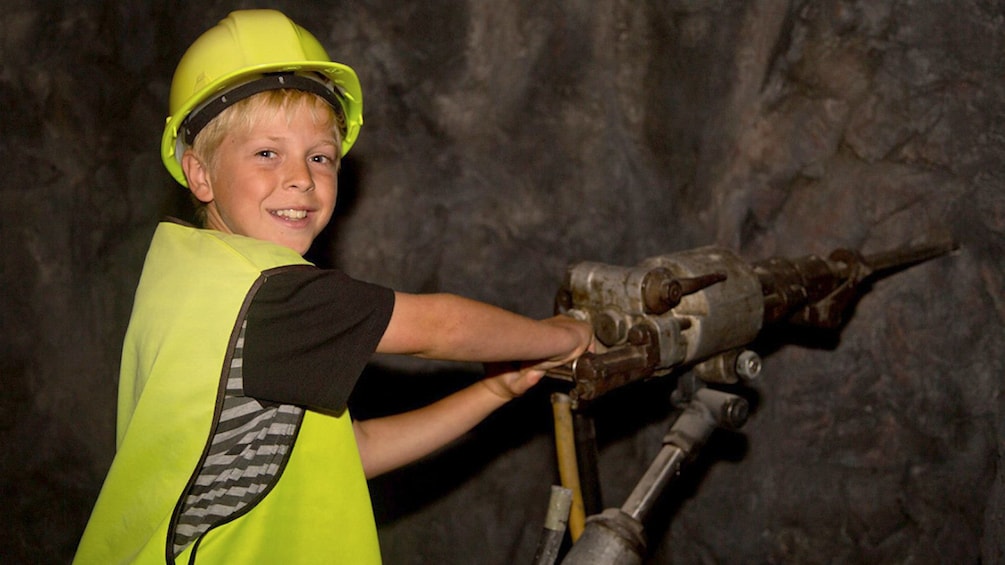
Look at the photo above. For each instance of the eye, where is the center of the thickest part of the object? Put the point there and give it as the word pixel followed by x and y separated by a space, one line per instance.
pixel 266 153
pixel 322 159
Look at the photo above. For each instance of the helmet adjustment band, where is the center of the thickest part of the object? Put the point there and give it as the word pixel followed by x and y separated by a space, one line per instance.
pixel 198 119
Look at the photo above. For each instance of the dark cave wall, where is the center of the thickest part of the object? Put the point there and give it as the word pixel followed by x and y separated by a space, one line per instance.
pixel 505 140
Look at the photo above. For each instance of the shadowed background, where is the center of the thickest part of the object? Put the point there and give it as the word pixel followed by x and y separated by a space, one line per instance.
pixel 507 139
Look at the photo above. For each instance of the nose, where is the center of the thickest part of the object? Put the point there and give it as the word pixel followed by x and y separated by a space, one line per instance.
pixel 298 176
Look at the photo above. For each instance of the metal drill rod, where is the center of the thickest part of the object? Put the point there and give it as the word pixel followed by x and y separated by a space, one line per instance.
pixel 908 255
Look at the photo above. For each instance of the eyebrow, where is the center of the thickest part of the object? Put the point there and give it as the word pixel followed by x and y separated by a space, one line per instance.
pixel 278 138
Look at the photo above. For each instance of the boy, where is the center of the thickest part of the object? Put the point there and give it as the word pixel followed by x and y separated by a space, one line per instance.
pixel 234 442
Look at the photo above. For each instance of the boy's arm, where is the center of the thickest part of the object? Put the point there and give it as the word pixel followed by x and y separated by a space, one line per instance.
pixel 390 442
pixel 448 327
pixel 453 328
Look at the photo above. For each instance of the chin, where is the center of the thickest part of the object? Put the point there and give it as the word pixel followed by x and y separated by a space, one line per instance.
pixel 292 245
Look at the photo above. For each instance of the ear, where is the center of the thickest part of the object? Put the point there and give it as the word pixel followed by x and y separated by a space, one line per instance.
pixel 197 175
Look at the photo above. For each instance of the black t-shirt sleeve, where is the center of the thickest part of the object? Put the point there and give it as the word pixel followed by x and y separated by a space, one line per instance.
pixel 310 333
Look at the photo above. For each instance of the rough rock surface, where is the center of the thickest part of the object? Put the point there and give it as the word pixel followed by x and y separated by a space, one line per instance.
pixel 505 140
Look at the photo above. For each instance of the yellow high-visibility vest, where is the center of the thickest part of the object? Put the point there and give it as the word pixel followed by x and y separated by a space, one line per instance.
pixel 190 303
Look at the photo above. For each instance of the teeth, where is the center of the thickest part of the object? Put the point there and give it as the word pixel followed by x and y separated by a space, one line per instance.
pixel 292 214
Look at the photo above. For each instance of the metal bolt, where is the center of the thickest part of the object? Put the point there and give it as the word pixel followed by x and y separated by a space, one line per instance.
pixel 735 413
pixel 610 328
pixel 748 365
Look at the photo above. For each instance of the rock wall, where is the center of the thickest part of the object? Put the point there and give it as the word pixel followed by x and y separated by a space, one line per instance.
pixel 505 140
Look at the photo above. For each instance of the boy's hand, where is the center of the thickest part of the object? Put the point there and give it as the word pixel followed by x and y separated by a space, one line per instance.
pixel 510 380
pixel 582 336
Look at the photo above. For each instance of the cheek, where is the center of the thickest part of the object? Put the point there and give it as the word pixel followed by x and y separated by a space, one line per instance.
pixel 328 209
pixel 329 193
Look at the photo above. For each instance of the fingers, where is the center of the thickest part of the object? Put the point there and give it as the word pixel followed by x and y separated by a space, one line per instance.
pixel 508 383
pixel 510 380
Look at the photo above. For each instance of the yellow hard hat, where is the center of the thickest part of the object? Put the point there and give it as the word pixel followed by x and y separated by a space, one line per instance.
pixel 251 51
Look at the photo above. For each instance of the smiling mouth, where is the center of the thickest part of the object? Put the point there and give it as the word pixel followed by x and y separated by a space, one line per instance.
pixel 290 214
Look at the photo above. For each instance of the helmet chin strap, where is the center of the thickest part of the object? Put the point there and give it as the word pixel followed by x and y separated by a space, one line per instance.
pixel 198 119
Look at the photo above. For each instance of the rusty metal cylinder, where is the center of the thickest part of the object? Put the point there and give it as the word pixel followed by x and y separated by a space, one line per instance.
pixel 722 316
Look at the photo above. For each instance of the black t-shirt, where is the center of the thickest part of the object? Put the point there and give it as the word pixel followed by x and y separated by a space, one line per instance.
pixel 310 332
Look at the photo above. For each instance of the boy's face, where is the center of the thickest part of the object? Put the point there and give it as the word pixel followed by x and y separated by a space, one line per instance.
pixel 276 181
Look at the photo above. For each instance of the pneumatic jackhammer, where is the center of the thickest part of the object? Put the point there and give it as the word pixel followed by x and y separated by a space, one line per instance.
pixel 694 311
